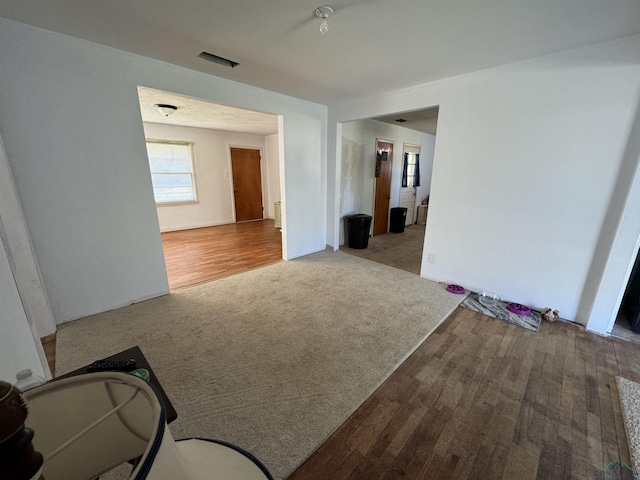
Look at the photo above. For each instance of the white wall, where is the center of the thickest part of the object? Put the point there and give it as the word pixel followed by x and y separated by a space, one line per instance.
pixel 13 228
pixel 18 348
pixel 272 177
pixel 357 184
pixel 214 182
pixel 618 244
pixel 71 125
pixel 526 162
pixel 427 151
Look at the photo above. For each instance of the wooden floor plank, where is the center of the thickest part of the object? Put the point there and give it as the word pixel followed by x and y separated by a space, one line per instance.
pixel 489 400
pixel 204 254
pixel 49 347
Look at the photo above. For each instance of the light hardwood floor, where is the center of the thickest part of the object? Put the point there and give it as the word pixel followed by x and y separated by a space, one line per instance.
pixel 204 254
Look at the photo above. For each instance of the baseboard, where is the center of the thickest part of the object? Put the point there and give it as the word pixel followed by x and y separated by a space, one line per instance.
pixel 193 227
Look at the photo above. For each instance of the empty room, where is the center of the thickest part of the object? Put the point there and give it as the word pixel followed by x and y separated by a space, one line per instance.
pixel 495 356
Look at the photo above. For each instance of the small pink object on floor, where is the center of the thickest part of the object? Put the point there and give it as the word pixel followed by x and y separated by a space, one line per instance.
pixel 456 289
pixel 519 309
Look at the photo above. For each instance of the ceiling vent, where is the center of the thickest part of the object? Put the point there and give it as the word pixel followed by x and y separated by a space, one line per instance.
pixel 219 60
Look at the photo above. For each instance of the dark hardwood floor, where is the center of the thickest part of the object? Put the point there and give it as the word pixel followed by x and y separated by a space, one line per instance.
pixel 49 347
pixel 481 399
pixel 204 254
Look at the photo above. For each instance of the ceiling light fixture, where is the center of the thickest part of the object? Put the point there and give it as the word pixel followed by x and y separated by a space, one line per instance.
pixel 165 109
pixel 323 13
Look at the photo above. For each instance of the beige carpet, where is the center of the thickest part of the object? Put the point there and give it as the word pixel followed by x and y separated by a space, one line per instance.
pixel 630 400
pixel 275 359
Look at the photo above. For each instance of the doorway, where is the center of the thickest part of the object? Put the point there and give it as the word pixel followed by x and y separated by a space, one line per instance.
pixel 410 181
pixel 247 184
pixel 200 235
pixel 366 191
pixel 384 163
pixel 627 324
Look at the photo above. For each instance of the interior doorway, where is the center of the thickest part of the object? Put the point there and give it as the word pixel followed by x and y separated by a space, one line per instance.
pixel 410 181
pixel 627 324
pixel 196 244
pixel 384 164
pixel 364 143
pixel 247 184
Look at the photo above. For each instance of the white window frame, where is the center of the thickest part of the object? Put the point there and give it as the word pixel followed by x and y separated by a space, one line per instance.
pixel 193 172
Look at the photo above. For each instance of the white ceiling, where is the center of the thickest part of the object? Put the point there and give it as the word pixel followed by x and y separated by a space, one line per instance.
pixel 193 112
pixel 373 46
pixel 421 120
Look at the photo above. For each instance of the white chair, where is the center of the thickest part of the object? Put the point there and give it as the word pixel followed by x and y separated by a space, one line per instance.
pixel 88 424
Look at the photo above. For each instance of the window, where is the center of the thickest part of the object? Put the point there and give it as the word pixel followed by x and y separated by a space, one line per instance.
pixel 411 170
pixel 171 167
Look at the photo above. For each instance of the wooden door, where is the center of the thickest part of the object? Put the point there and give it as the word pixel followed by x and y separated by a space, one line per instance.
pixel 247 184
pixel 384 151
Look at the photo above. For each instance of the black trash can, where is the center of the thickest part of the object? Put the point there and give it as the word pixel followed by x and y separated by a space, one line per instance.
pixel 398 219
pixel 358 227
